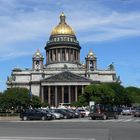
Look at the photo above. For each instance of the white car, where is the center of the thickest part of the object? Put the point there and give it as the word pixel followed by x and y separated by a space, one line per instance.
pixel 126 111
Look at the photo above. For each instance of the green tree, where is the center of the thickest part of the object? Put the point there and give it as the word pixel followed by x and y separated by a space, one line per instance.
pixel 107 93
pixel 121 97
pixel 134 94
pixel 36 102
pixel 16 98
pixel 81 102
pixel 101 93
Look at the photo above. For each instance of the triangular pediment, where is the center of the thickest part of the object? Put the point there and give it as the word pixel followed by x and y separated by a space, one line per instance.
pixel 67 77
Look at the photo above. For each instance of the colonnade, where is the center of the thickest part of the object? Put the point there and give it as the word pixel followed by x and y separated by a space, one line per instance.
pixel 61 94
pixel 63 55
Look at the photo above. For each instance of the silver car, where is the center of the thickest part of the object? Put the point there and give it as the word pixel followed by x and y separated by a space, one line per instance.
pixel 126 111
pixel 56 115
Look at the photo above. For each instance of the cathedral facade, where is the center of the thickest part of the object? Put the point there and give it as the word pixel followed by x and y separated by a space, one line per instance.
pixel 62 78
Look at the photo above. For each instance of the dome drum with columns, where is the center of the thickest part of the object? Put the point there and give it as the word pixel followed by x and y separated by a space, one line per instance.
pixel 62 45
pixel 62 78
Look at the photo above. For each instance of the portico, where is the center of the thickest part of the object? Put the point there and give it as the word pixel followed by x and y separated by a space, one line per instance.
pixel 61 94
pixel 67 91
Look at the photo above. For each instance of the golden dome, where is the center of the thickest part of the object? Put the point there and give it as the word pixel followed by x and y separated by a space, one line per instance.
pixel 62 28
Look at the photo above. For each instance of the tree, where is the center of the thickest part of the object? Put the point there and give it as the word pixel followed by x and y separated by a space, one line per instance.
pixel 16 98
pixel 121 97
pixel 81 102
pixel 36 102
pixel 134 94
pixel 101 93
pixel 107 93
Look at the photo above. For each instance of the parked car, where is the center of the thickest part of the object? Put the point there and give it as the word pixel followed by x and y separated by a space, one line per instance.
pixel 56 115
pixel 66 114
pixel 87 110
pixel 136 113
pixel 127 111
pixel 82 112
pixel 103 112
pixel 35 114
pixel 119 110
pixel 76 114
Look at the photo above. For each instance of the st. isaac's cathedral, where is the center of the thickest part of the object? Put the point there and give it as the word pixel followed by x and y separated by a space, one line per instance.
pixel 62 78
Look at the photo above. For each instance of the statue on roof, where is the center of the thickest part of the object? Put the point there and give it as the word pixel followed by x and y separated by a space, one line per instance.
pixel 111 67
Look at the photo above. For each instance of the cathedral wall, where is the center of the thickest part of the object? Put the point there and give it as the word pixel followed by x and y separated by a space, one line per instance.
pixel 35 88
pixel 94 77
pixel 56 71
pixel 36 77
pixel 22 86
pixel 22 78
pixel 19 86
pixel 106 78
pixel 102 76
pixel 64 83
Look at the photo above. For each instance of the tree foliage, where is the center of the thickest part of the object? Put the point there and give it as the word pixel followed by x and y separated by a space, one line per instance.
pixel 121 96
pixel 17 98
pixel 134 93
pixel 107 93
pixel 100 93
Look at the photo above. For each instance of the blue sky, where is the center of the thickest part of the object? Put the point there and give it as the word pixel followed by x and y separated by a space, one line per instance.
pixel 111 28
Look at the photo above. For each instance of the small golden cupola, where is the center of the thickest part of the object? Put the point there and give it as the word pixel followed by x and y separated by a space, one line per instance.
pixel 91 61
pixel 91 54
pixel 62 28
pixel 37 61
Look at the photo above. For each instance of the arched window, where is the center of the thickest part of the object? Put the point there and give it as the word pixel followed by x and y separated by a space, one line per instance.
pixel 37 62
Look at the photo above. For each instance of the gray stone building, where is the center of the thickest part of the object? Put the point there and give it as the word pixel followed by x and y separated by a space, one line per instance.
pixel 62 78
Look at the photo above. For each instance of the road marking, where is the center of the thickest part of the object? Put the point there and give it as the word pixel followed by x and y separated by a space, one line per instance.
pixel 42 138
pixel 138 120
pixel 127 120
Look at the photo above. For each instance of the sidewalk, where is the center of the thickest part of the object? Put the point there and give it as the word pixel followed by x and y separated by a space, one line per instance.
pixel 10 118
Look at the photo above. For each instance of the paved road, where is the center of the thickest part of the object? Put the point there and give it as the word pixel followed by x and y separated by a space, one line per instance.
pixel 125 128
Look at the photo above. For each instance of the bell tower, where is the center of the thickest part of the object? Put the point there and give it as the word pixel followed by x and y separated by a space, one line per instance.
pixel 37 61
pixel 91 62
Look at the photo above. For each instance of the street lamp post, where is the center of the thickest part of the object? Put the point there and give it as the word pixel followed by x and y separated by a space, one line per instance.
pixel 30 101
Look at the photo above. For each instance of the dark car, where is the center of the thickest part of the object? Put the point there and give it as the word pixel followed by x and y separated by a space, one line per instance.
pixel 119 110
pixel 76 113
pixel 103 111
pixel 136 113
pixel 71 112
pixel 35 114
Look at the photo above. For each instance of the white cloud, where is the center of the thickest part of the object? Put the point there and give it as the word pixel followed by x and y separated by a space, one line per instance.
pixel 13 55
pixel 29 20
pixel 109 27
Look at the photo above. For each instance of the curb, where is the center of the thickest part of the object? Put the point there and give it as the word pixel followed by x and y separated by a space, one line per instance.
pixel 9 118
